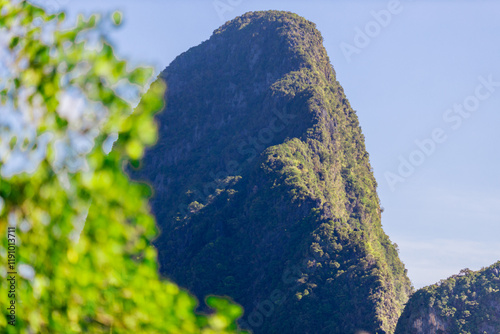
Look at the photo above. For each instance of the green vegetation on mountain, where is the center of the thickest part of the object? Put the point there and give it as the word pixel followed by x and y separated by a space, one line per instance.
pixel 263 189
pixel 467 303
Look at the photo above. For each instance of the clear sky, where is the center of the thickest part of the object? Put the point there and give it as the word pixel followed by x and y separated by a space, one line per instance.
pixel 415 71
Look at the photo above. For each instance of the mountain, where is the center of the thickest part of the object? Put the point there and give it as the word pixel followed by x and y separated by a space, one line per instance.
pixel 465 303
pixel 263 190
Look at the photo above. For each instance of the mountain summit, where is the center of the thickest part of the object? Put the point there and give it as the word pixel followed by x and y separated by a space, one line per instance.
pixel 263 189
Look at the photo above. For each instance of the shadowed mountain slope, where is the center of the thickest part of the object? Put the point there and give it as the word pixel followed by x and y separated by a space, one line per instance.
pixel 263 186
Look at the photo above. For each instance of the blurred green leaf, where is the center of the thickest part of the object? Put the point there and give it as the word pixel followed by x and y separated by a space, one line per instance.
pixel 117 18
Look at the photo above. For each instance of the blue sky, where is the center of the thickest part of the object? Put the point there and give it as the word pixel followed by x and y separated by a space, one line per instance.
pixel 418 63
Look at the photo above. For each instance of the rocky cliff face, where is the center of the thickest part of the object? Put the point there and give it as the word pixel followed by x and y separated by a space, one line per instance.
pixel 464 303
pixel 263 189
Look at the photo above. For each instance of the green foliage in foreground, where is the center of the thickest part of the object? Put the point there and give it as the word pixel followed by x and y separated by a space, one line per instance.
pixel 465 303
pixel 104 279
